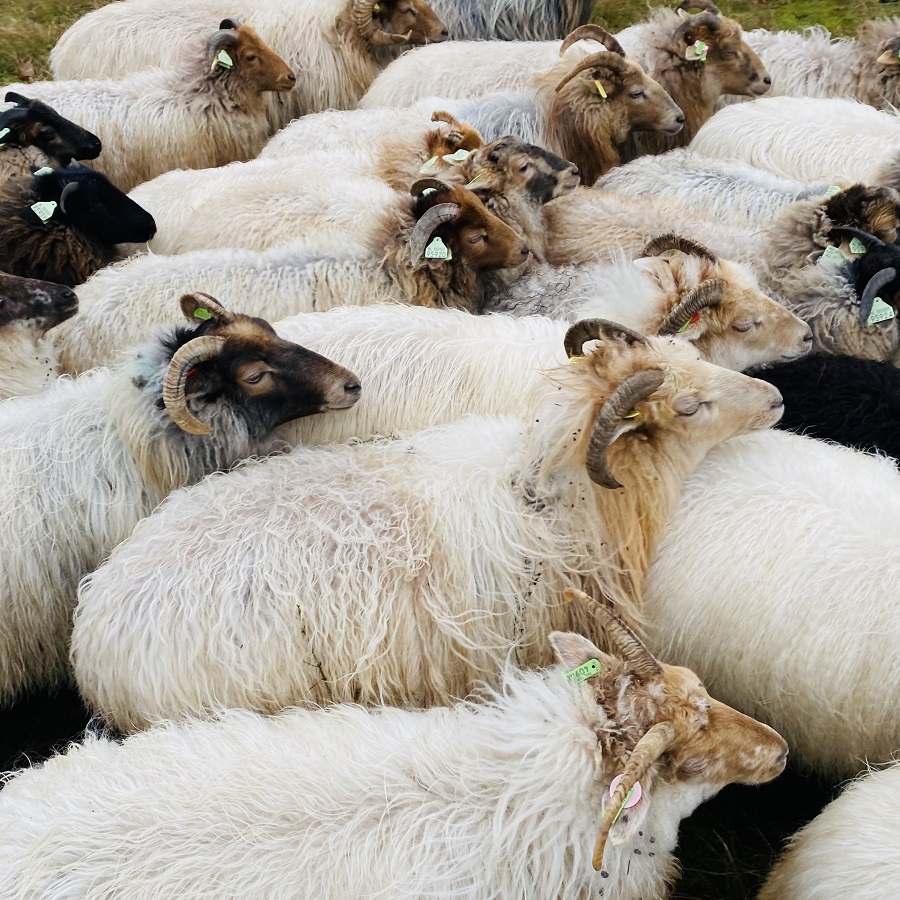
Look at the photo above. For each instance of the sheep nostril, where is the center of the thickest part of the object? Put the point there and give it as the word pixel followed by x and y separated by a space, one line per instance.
pixel 445 33
pixel 767 80
pixel 525 251
pixel 354 388
pixel 807 338
pixel 679 120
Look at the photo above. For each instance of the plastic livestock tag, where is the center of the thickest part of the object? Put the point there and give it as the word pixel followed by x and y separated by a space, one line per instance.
pixel 437 249
pixel 881 312
pixel 428 191
pixel 697 51
pixel 201 313
pixel 457 157
pixel 574 360
pixel 831 254
pixel 224 60
pixel 632 798
pixel 478 177
pixel 691 321
pixel 857 246
pixel 600 89
pixel 834 189
pixel 46 170
pixel 583 672
pixel 429 164
pixel 376 8
pixel 633 415
pixel 44 210
pixel 3 134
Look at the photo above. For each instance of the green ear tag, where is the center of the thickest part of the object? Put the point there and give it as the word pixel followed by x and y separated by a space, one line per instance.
pixel 457 157
pixel 834 189
pixel 201 313
pixel 857 246
pixel 376 8
pixel 428 191
pixel 224 60
pixel 600 89
pixel 697 51
pixel 45 171
pixel 3 134
pixel 429 164
pixel 832 254
pixel 583 672
pixel 881 312
pixel 437 249
pixel 44 211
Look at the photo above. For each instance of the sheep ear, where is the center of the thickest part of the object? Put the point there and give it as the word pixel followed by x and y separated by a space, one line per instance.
pixel 574 650
pixel 891 54
pixel 632 819
pixel 198 308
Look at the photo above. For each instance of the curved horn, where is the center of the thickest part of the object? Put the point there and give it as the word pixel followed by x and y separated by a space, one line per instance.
pixel 437 215
pixel 870 240
pixel 67 192
pixel 231 23
pixel 422 184
pixel 876 283
pixel 441 115
pixel 592 33
pixel 640 661
pixel 605 58
pixel 218 40
pixel 672 241
pixel 712 22
pixel 622 401
pixel 18 99
pixel 364 20
pixel 186 358
pixel 707 295
pixel 705 5
pixel 596 330
pixel 648 749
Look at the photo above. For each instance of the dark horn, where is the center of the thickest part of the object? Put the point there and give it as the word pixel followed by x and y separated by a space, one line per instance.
pixel 592 33
pixel 876 283
pixel 605 58
pixel 672 241
pixel 596 330
pixel 707 295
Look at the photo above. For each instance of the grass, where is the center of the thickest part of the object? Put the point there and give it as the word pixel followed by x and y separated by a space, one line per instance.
pixel 729 844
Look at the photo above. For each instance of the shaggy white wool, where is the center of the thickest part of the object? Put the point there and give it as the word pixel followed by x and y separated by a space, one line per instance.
pixel 27 360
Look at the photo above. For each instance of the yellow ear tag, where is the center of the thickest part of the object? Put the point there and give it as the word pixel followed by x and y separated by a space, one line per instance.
pixel 44 211
pixel 224 60
pixel 201 313
pixel 479 176
pixel 633 415
pixel 857 246
pixel 834 189
pixel 881 312
pixel 437 249
pixel 376 8
pixel 832 254
pixel 600 89
pixel 46 170
pixel 574 360
pixel 457 157
pixel 429 164
pixel 583 672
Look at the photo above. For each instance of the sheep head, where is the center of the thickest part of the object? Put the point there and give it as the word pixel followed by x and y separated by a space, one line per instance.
pixel 454 227
pixel 239 361
pixel 874 272
pixel 718 306
pixel 387 23
pixel 32 123
pixel 237 50
pixel 37 305
pixel 665 726
pixel 449 137
pixel 875 210
pixel 601 99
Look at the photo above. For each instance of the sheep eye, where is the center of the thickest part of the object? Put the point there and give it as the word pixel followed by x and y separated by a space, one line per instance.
pixel 256 377
pixel 251 57
pixel 523 167
pixel 476 239
pixel 728 54
pixel 637 94
pixel 743 326
pixel 688 407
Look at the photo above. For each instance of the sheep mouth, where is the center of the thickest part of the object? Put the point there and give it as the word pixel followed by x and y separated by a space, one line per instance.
pixel 674 129
pixel 759 89
pixel 796 354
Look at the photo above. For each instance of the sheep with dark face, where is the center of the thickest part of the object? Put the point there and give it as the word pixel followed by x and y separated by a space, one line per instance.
pixel 28 309
pixel 88 458
pixel 63 225
pixel 33 134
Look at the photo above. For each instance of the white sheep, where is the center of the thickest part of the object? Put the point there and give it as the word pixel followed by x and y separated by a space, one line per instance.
pixel 851 849
pixel 494 798
pixel 82 462
pixel 500 20
pixel 205 111
pixel 404 570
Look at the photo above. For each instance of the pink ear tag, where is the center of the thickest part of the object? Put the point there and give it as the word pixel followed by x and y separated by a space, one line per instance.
pixel 632 798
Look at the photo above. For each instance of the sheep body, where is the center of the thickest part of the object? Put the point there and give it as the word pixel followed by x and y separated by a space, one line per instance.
pixel 499 20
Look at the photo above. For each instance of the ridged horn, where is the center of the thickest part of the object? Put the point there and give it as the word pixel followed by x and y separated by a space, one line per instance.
pixel 423 184
pixel 193 353
pixel 219 40
pixel 705 5
pixel 605 58
pixel 672 241
pixel 622 401
pixel 67 192
pixel 876 283
pixel 437 215
pixel 640 661
pixel 707 295
pixel 648 749
pixel 596 330
pixel 712 22
pixel 592 33
pixel 364 20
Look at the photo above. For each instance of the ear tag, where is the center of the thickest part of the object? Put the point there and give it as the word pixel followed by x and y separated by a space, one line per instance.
pixel 574 360
pixel 429 164
pixel 696 52
pixel 428 191
pixel 583 672
pixel 857 246
pixel 632 798
pixel 476 178
pixel 831 254
pixel 881 312
pixel 44 210
pixel 3 134
pixel 834 189
pixel 376 8
pixel 691 321
pixel 633 415
pixel 437 249
pixel 457 157
pixel 600 89
pixel 45 171
pixel 201 313
pixel 224 60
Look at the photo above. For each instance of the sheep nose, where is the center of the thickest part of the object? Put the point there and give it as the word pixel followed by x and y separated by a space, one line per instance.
pixel 767 81
pixel 353 388
pixel 679 120
pixel 807 338
pixel 525 251
pixel 445 33
pixel 292 78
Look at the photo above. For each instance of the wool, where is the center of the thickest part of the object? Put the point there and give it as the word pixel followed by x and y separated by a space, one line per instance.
pixel 28 360
pixel 499 20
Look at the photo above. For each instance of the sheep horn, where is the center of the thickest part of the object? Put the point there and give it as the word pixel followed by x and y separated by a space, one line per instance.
pixel 364 19
pixel 592 33
pixel 437 215
pixel 67 192
pixel 186 358
pixel 876 283
pixel 707 295
pixel 672 241
pixel 218 40
pixel 640 660
pixel 18 99
pixel 441 115
pixel 596 330
pixel 622 401
pixel 870 240
pixel 705 5
pixel 231 23
pixel 648 749
pixel 704 18
pixel 605 58
pixel 417 187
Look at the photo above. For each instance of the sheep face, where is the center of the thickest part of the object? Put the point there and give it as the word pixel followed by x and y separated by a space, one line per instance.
pixel 37 304
pixel 256 64
pixel 414 20
pixel 872 209
pixel 237 362
pixel 32 123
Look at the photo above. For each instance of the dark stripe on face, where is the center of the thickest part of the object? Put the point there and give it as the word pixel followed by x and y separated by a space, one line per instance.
pixel 541 186
pixel 555 162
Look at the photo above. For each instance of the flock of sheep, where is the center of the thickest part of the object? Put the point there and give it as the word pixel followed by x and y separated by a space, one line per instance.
pixel 371 602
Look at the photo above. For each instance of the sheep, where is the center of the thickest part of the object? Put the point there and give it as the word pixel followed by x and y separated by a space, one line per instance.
pixel 206 111
pixel 479 800
pixel 497 20
pixel 777 581
pixel 33 134
pixel 27 310
pixel 807 139
pixel 715 304
pixel 697 59
pixel 850 849
pixel 82 462
pixel 459 536
pixel 63 225
pixel 335 47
